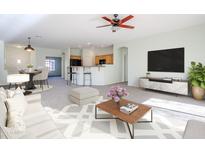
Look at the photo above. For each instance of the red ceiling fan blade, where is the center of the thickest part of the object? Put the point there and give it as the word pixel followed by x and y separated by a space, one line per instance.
pixel 126 19
pixel 107 19
pixel 126 26
pixel 104 26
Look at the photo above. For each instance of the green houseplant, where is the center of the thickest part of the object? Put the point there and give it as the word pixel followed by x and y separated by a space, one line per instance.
pixel 197 80
pixel 30 67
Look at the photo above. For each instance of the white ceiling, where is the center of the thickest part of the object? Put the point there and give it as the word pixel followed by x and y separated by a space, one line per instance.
pixel 62 31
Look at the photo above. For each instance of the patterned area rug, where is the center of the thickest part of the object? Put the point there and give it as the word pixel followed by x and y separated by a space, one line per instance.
pixel 40 90
pixel 76 121
pixel 177 106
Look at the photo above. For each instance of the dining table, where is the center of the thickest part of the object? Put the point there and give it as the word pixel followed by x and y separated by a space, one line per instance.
pixel 30 84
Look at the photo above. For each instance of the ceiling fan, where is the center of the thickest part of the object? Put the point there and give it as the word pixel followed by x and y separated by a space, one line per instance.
pixel 117 23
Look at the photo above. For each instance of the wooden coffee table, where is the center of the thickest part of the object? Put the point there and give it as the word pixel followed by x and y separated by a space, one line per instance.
pixel 114 109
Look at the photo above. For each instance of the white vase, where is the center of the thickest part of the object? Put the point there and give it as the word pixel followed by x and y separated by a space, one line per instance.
pixel 30 69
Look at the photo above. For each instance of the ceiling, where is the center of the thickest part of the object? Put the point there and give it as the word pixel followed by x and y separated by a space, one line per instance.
pixel 70 30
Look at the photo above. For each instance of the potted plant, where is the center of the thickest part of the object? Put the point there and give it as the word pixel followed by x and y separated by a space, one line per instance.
pixel 116 93
pixel 30 67
pixel 197 80
pixel 148 74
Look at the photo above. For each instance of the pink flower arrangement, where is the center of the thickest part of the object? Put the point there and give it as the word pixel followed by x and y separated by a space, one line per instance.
pixel 117 92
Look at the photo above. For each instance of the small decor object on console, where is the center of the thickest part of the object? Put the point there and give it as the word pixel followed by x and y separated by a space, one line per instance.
pixel 30 67
pixel 116 93
pixel 148 74
pixel 128 108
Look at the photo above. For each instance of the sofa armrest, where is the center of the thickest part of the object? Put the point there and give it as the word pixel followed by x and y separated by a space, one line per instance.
pixel 194 130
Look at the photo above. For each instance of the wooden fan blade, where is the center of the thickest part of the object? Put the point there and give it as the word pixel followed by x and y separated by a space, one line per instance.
pixel 107 19
pixel 104 26
pixel 126 26
pixel 126 19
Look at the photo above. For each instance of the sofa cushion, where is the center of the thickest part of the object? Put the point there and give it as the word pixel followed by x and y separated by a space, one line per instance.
pixel 16 105
pixel 16 108
pixel 3 117
pixel 16 92
pixel 3 94
pixel 40 125
pixel 84 92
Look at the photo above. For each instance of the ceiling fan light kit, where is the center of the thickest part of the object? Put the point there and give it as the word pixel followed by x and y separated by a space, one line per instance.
pixel 114 28
pixel 117 23
pixel 29 47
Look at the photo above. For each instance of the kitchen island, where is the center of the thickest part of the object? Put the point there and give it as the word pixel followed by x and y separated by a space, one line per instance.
pixel 99 74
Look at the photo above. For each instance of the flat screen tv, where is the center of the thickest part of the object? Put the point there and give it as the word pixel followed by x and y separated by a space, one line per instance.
pixel 168 60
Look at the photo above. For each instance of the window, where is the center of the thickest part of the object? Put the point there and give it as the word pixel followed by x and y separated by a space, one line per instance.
pixel 50 63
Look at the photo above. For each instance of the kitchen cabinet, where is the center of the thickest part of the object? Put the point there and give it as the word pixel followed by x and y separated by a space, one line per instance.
pixel 75 57
pixel 107 58
pixel 97 58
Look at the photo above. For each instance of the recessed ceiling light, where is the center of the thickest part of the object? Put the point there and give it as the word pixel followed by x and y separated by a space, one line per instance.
pixel 19 46
pixel 89 43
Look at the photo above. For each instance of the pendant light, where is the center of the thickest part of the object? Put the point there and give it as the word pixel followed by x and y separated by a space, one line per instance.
pixel 29 48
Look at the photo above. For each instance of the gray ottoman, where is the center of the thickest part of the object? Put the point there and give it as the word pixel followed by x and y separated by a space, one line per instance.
pixel 84 95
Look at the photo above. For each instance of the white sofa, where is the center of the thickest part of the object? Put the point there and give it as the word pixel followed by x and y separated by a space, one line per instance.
pixel 38 123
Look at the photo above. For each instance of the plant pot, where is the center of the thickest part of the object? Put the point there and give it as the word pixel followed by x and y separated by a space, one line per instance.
pixel 30 69
pixel 116 102
pixel 198 93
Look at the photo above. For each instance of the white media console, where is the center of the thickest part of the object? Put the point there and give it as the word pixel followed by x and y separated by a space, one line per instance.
pixel 166 85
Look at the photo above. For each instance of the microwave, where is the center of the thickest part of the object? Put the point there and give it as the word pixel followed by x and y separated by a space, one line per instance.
pixel 102 61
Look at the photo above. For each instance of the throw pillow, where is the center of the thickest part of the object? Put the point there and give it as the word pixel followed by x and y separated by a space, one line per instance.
pixel 16 104
pixel 16 108
pixel 16 92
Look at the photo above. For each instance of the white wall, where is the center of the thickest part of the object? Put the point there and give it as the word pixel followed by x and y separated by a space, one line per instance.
pixel 37 57
pixel 124 64
pixel 191 38
pixel 42 53
pixel 3 72
pixel 76 51
pixel 88 56
pixel 104 51
pixel 12 55
pixel 97 51
pixel 113 73
pixel 66 62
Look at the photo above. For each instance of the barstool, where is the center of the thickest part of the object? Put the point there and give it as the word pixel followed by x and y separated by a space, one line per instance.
pixel 71 76
pixel 89 74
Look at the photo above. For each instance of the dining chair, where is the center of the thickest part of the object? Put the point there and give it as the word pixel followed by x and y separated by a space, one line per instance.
pixel 42 78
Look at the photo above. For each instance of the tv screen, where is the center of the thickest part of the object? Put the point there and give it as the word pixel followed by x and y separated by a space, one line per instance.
pixel 168 60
